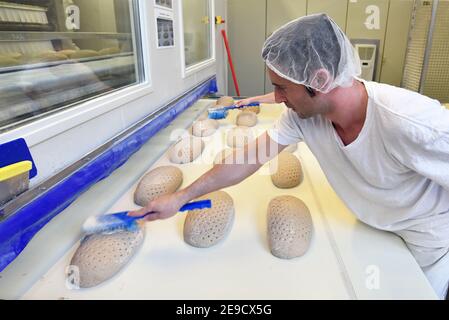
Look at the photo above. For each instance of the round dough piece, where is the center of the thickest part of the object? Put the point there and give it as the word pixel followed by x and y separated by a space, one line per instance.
pixel 239 137
pixel 8 62
pixel 225 101
pixel 290 227
pixel 205 128
pixel 186 150
pixel 158 182
pixel 109 51
pixel 207 227
pixel 101 256
pixel 246 119
pixel 80 54
pixel 287 171
pixel 291 148
pixel 256 110
pixel 50 56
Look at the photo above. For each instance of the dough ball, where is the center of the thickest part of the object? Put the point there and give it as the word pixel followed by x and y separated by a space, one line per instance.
pixel 246 119
pixel 13 55
pixel 220 158
pixel 81 54
pixel 225 101
pixel 291 148
pixel 289 227
pixel 186 150
pixel 67 52
pixel 239 137
pixel 287 171
pixel 101 256
pixel 160 181
pixel 109 51
pixel 203 116
pixel 50 56
pixel 205 128
pixel 207 227
pixel 256 110
pixel 8 62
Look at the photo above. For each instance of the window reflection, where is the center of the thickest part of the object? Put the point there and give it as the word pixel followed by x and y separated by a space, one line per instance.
pixel 197 31
pixel 56 53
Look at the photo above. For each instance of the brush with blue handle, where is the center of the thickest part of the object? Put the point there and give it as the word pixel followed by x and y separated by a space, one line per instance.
pixel 111 223
pixel 222 113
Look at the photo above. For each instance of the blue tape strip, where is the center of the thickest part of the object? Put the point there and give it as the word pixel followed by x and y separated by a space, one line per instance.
pixel 17 230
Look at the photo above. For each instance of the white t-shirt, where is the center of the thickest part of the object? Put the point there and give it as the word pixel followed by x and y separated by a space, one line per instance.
pixel 395 175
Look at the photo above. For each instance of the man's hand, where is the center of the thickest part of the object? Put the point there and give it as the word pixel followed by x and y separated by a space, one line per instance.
pixel 163 207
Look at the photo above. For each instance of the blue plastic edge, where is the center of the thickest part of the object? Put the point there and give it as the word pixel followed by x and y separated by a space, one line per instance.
pixel 17 230
pixel 16 151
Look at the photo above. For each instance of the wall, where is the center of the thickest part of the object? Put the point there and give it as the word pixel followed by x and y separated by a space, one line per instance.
pixel 396 40
pixel 61 139
pixel 246 25
pixel 390 29
pixel 436 83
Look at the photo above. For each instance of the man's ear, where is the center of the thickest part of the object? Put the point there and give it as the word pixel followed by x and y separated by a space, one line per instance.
pixel 321 79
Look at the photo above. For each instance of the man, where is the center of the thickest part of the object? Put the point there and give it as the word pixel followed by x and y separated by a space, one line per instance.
pixel 385 150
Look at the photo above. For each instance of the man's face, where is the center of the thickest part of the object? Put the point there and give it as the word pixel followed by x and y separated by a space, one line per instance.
pixel 296 97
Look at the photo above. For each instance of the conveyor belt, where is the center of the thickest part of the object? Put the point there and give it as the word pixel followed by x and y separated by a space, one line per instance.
pixel 339 264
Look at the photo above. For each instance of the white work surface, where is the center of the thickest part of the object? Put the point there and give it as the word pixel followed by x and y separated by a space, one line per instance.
pixel 346 259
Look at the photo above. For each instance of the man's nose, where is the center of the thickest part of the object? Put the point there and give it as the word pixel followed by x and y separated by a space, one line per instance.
pixel 280 98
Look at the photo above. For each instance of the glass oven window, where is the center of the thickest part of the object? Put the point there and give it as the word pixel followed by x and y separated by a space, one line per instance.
pixel 55 54
pixel 197 31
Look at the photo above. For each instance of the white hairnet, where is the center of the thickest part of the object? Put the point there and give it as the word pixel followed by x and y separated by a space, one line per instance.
pixel 302 49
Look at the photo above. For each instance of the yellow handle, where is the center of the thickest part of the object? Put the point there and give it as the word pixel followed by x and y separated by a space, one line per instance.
pixel 14 170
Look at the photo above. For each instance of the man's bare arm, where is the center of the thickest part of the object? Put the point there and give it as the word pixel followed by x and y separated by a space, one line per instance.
pixel 268 98
pixel 219 177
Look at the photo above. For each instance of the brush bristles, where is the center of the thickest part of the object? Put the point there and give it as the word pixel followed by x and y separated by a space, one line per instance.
pixel 106 224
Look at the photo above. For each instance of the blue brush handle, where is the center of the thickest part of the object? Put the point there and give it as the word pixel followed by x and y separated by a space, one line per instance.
pixel 254 104
pixel 196 205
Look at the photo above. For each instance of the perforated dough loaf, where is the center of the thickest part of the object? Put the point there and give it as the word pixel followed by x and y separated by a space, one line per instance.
pixel 158 182
pixel 205 128
pixel 186 150
pixel 225 101
pixel 246 119
pixel 287 171
pixel 238 137
pixel 101 256
pixel 207 227
pixel 289 227
pixel 80 54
